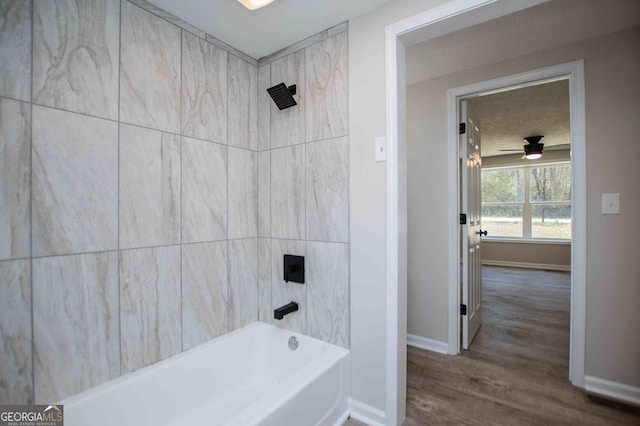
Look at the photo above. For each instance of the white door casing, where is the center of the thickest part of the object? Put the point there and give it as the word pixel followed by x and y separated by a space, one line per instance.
pixel 455 15
pixel 470 145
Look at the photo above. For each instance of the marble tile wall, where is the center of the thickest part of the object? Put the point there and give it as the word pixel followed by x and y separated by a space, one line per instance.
pixel 204 89
pixel 129 192
pixel 243 282
pixel 288 126
pixel 149 70
pixel 205 290
pixel 16 368
pixel 243 104
pixel 69 291
pixel 243 193
pixel 150 189
pixel 15 49
pixel 75 56
pixel 303 187
pixel 15 175
pixel 75 183
pixel 149 306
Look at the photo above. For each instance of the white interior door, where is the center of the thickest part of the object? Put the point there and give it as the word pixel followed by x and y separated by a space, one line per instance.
pixel 471 231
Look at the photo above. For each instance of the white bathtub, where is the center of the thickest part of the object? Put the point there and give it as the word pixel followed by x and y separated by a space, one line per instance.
pixel 247 377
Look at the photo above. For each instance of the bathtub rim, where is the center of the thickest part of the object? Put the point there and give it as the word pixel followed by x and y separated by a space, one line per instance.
pixel 73 400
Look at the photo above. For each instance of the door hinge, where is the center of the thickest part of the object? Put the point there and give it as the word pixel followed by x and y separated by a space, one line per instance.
pixel 463 128
pixel 463 309
pixel 463 218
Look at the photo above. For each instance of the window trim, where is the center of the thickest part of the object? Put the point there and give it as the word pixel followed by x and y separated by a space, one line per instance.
pixel 527 204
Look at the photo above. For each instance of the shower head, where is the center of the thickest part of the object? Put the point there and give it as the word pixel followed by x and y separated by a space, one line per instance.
pixel 283 95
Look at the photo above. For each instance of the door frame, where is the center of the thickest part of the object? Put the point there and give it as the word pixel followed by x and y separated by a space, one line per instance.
pixel 447 18
pixel 573 72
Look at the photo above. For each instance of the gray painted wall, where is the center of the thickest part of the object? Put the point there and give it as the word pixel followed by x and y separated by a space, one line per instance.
pixel 612 64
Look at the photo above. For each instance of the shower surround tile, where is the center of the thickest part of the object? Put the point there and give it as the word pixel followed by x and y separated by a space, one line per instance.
pixel 328 292
pixel 264 194
pixel 15 191
pixel 149 187
pixel 243 108
pixel 282 292
pixel 243 193
pixel 287 126
pixel 149 306
pixel 169 17
pixel 76 327
pixel 243 282
pixel 76 55
pixel 204 90
pixel 75 183
pixel 287 193
pixel 327 196
pixel 149 70
pixel 15 339
pixel 264 108
pixel 204 292
pixel 265 313
pixel 326 101
pixel 15 49
pixel 204 191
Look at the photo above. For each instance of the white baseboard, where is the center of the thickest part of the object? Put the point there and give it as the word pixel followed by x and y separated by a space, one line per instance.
pixel 548 267
pixel 428 344
pixel 614 390
pixel 343 418
pixel 366 414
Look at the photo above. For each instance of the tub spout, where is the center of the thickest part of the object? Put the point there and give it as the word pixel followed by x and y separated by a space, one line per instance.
pixel 284 310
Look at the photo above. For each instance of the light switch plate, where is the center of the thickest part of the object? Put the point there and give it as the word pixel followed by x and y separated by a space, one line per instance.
pixel 381 149
pixel 610 203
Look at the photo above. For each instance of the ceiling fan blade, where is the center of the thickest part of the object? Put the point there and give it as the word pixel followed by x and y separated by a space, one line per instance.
pixel 511 150
pixel 557 147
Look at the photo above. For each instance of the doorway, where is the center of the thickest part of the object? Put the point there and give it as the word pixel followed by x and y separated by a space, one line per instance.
pixel 459 15
pixel 515 212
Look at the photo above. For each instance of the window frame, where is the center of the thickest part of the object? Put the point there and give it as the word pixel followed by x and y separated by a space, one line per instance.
pixel 526 204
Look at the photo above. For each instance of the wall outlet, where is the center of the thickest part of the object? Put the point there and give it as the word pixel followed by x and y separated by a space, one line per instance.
pixel 610 203
pixel 381 149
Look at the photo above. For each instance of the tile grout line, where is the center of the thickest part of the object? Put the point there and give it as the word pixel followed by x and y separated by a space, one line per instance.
pixel 181 119
pixel 269 231
pixel 348 196
pixel 166 19
pixel 228 265
pixel 33 331
pixel 123 122
pixel 304 162
pixel 119 128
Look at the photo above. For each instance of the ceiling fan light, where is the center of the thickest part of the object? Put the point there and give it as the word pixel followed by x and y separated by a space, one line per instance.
pixel 254 4
pixel 533 149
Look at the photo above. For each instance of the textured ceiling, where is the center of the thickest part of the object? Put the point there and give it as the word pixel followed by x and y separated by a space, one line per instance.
pixel 539 28
pixel 505 118
pixel 264 31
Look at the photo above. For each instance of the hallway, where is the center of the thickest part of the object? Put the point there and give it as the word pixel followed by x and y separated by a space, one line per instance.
pixel 516 370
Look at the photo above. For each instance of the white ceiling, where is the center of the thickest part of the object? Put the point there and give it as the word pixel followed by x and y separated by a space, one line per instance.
pixel 506 118
pixel 264 31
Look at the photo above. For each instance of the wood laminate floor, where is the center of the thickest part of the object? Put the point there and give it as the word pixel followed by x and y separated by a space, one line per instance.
pixel 515 372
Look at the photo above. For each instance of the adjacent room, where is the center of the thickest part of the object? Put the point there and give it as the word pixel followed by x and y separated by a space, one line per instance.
pixel 319 212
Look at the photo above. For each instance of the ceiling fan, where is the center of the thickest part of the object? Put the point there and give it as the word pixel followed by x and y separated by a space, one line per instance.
pixel 533 149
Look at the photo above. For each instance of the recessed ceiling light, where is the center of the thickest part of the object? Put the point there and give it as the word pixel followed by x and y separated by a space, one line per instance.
pixel 254 4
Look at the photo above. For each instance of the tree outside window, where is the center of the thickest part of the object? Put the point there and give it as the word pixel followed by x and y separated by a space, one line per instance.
pixel 527 201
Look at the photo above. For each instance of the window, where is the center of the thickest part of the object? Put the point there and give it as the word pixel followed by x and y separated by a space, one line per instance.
pixel 527 201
